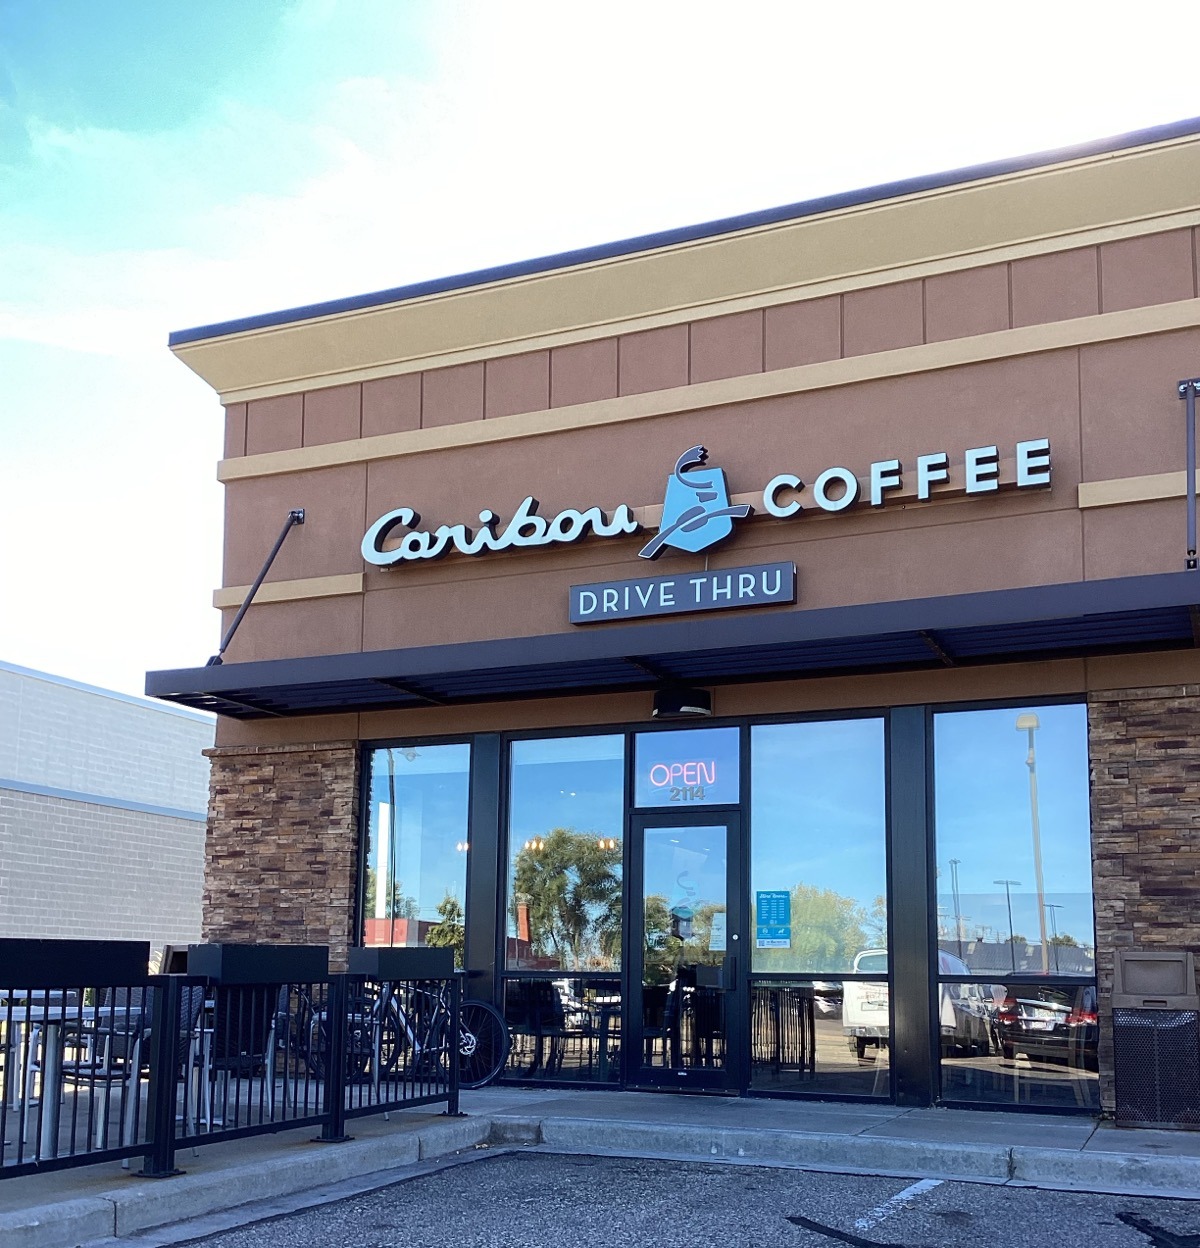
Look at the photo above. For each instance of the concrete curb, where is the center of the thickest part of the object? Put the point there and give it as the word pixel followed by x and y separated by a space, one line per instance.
pixel 141 1205
pixel 53 1226
pixel 744 1146
pixel 1119 1174
pixel 1124 1174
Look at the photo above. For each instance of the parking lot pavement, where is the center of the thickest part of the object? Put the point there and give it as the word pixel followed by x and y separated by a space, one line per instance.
pixel 525 1198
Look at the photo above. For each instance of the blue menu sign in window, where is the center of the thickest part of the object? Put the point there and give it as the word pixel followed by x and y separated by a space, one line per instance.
pixel 773 920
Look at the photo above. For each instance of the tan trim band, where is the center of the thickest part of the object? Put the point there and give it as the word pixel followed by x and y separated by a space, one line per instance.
pixel 1003 344
pixel 291 591
pixel 726 307
pixel 1140 190
pixel 1147 489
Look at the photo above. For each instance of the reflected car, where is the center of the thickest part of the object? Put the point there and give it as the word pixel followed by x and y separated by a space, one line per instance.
pixel 964 1010
pixel 1056 1024
pixel 865 1006
pixel 827 998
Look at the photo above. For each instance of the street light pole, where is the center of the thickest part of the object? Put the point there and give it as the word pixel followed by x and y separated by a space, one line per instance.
pixel 958 924
pixel 1012 948
pixel 1029 723
pixel 1053 906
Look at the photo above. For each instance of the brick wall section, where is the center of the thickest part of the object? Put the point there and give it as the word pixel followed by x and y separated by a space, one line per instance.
pixel 78 870
pixel 281 858
pixel 1145 762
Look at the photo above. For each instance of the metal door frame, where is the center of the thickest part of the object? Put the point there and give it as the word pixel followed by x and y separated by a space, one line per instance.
pixel 733 1079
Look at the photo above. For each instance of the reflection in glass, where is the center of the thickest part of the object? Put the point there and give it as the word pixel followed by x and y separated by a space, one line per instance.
pixel 687 767
pixel 566 814
pixel 566 1030
pixel 416 855
pixel 1014 840
pixel 685 941
pixel 1021 1044
pixel 818 855
pixel 799 1041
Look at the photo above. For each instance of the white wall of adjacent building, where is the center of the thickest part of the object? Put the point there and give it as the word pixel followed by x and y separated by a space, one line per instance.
pixel 102 812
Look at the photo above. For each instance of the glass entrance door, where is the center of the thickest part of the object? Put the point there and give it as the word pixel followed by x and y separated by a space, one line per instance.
pixel 686 940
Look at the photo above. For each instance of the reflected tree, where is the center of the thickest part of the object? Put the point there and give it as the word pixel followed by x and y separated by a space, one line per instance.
pixel 567 890
pixel 828 929
pixel 449 932
pixel 402 905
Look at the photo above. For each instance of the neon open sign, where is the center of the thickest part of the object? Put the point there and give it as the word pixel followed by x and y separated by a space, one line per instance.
pixel 686 781
pixel 689 765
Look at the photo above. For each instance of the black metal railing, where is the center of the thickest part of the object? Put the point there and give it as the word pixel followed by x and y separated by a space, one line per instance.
pixel 111 1072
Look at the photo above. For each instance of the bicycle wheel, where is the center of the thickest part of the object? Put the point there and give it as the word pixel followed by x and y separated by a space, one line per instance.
pixel 358 1046
pixel 483 1043
pixel 394 1048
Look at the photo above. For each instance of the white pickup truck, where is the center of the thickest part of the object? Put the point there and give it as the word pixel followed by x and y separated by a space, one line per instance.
pixel 865 1005
pixel 963 1009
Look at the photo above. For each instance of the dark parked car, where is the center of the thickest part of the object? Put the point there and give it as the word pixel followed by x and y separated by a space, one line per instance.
pixel 1049 1023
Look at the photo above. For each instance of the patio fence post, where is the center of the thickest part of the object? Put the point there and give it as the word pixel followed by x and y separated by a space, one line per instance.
pixel 336 1004
pixel 452 1041
pixel 164 1070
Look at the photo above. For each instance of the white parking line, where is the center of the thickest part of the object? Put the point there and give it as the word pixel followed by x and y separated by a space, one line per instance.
pixel 899 1201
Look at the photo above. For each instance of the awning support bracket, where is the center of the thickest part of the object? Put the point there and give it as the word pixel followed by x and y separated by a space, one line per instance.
pixel 1187 392
pixel 294 517
pixel 651 669
pixel 948 660
pixel 413 691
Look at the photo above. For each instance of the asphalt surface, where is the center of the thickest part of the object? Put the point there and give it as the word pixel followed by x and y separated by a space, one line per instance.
pixel 526 1198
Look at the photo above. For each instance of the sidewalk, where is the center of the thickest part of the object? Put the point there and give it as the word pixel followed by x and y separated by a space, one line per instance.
pixel 71 1207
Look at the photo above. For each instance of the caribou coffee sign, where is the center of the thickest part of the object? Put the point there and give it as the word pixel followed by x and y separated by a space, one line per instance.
pixel 526 528
pixel 697 514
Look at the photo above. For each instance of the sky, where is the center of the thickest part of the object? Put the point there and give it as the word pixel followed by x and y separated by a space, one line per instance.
pixel 169 165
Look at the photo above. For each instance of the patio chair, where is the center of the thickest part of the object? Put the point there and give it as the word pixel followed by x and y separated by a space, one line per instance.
pixel 113 1052
pixel 536 1009
pixel 244 1022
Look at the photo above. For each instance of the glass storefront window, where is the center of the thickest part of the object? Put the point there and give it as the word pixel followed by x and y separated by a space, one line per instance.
pixel 414 890
pixel 688 767
pixel 1014 864
pixel 820 1036
pixel 565 836
pixel 1015 907
pixel 818 858
pixel 565 1029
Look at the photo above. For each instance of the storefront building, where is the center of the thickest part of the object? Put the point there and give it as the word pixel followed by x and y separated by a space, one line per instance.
pixel 766 652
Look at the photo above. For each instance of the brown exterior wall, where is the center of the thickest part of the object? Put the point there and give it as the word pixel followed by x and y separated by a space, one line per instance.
pixel 281 861
pixel 1145 761
pixel 1086 400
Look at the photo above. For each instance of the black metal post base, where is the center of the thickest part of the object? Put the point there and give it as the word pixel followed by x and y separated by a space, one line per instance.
pixel 331 1139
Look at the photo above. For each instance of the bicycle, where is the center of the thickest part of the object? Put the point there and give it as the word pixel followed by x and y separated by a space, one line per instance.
pixel 405 1026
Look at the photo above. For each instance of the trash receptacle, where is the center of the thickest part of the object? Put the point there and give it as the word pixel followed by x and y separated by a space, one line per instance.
pixel 1156 1040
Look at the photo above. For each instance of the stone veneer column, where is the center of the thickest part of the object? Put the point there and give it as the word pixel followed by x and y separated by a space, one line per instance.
pixel 1144 746
pixel 281 857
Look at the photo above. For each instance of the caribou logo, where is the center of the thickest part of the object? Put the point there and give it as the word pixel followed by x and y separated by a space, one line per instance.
pixel 696 511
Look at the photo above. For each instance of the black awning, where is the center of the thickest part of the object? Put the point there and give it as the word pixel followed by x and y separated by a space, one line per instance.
pixel 1138 613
